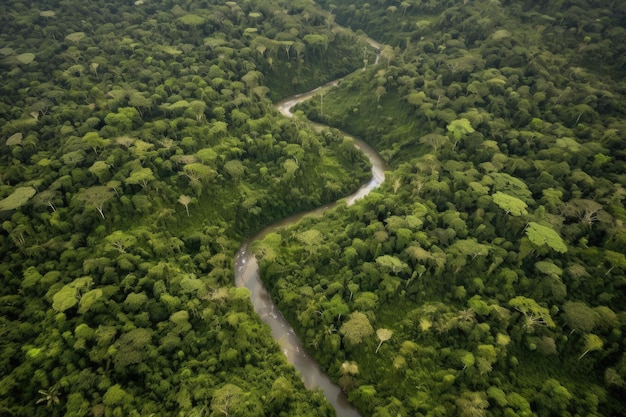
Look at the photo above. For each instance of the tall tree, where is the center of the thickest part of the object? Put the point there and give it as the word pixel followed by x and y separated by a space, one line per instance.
pixel 96 197
pixel 356 329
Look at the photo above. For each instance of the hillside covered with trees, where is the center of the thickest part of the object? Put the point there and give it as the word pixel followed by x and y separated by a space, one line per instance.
pixel 139 146
pixel 487 276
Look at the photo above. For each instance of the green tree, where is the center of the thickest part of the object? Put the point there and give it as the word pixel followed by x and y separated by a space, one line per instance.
pixel 119 241
pixel 458 129
pixel 95 141
pixel 391 264
pixel 226 399
pixel 141 176
pixel 472 404
pixel 383 335
pixel 50 396
pixel 96 197
pixel 19 197
pixel 541 235
pixel 534 314
pixel 235 169
pixel 356 329
pixel 584 210
pixel 185 200
pixel 101 170
pixel 592 342
pixel 65 298
pixel 578 316
pixel 511 205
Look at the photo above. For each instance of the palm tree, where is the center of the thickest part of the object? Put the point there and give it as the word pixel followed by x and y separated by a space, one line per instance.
pixel 51 396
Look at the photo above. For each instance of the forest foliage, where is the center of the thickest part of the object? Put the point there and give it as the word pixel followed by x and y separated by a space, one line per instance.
pixel 138 147
pixel 487 276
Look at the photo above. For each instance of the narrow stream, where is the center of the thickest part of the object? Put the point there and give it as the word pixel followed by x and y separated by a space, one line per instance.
pixel 247 275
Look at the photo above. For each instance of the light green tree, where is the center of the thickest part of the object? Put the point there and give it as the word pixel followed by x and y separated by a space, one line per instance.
pixel 141 176
pixel 235 169
pixel 17 198
pixel 391 264
pixel 511 205
pixel 356 329
pixel 50 397
pixel 458 129
pixel 383 335
pixel 119 241
pixel 226 398
pixel 96 197
pixel 191 20
pixel 534 314
pixel 472 404
pixel 185 200
pixel 592 342
pixel 541 235
pixel 88 299
pixel 101 170
pixel 65 298
pixel 75 37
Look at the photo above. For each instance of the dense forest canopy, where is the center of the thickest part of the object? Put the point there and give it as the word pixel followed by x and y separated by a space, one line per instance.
pixel 487 277
pixel 139 145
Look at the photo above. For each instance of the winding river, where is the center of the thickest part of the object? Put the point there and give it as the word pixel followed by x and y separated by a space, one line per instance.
pixel 247 274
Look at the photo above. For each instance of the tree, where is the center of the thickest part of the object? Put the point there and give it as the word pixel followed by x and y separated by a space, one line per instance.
pixel 535 314
pixel 615 259
pixel 185 200
pixel 88 299
pixel 69 295
pixel 96 197
pixel 226 398
pixel 120 241
pixel 65 298
pixel 578 316
pixel 197 174
pixel 50 396
pixel 545 235
pixel 311 239
pixel 132 348
pixel 115 396
pixel 15 139
pixel 101 170
pixel 75 37
pixel 510 204
pixel 383 335
pixel 584 210
pixel 191 20
pixel 472 404
pixel 140 176
pixel 17 198
pixel 459 128
pixel 554 397
pixel 387 54
pixel 592 342
pixel 235 169
pixel 95 142
pixel 197 109
pixel 379 92
pixel 356 329
pixel 434 140
pixel 391 264
pixel 280 393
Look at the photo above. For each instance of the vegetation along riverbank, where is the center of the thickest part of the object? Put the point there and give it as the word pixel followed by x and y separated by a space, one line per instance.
pixel 139 147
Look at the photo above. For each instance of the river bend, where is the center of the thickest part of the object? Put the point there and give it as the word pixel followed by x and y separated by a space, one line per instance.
pixel 247 275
